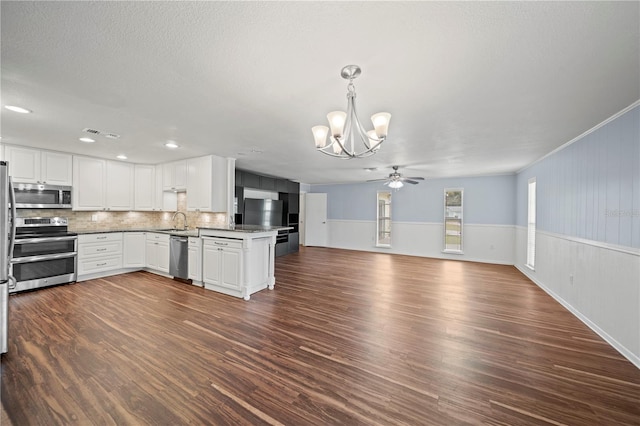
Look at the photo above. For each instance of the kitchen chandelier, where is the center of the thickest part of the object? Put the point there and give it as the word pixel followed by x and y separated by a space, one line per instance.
pixel 344 126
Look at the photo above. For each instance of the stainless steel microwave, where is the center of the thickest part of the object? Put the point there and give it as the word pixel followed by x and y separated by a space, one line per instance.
pixel 38 196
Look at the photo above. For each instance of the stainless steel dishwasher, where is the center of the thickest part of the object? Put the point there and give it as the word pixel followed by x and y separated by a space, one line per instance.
pixel 179 257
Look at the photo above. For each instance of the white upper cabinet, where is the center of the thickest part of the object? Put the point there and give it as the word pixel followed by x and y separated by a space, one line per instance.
pixel 35 166
pixel 145 187
pixel 89 176
pixel 56 168
pixel 174 176
pixel 207 184
pixel 102 185
pixel 120 186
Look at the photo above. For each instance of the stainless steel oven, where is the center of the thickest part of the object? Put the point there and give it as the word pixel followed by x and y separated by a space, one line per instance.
pixel 45 253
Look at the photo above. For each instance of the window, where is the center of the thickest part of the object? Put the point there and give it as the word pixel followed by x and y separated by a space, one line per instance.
pixel 531 224
pixel 383 230
pixel 453 220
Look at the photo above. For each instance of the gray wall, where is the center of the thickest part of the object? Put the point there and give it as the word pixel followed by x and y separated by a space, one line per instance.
pixel 591 188
pixel 487 200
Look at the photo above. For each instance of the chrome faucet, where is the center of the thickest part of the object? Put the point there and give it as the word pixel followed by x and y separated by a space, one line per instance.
pixel 185 227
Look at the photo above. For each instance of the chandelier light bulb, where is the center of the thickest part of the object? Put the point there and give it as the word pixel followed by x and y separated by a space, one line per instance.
pixel 381 123
pixel 336 121
pixel 320 135
pixel 396 184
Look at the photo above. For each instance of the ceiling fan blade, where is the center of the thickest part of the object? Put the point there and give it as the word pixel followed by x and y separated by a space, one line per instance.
pixel 415 178
pixel 407 180
pixel 377 180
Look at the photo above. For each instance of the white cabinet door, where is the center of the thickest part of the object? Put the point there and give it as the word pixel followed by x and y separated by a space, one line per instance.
pixel 56 168
pixel 207 184
pixel 119 186
pixel 198 183
pixel 195 259
pixel 157 251
pixel 163 257
pixel 24 164
pixel 174 176
pixel 88 183
pixel 211 264
pixel 134 254
pixel 231 267
pixel 145 187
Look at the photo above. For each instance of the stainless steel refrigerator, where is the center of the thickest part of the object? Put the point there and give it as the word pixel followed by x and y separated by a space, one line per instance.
pixel 8 234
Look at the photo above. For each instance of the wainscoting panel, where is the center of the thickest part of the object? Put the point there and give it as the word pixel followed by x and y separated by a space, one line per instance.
pixel 482 243
pixel 598 283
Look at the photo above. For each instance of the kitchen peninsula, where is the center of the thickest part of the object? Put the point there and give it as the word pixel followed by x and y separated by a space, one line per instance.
pixel 239 260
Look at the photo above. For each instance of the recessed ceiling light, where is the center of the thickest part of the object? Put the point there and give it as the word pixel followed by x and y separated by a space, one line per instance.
pixel 17 109
pixel 122 157
pixel 87 140
pixel 171 145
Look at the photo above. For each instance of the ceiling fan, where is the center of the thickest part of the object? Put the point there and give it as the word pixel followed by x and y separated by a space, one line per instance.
pixel 396 181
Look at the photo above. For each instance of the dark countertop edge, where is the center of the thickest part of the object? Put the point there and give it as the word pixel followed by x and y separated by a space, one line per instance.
pixel 240 228
pixel 189 233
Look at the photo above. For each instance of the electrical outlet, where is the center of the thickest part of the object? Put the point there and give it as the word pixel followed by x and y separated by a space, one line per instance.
pixel 94 218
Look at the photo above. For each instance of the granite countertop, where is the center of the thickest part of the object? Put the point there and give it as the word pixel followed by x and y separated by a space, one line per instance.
pixel 177 232
pixel 246 228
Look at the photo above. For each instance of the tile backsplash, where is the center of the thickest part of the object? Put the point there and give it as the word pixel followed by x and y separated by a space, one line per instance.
pixel 84 220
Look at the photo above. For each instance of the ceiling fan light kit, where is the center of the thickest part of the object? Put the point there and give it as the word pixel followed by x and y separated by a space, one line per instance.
pixel 396 181
pixel 345 127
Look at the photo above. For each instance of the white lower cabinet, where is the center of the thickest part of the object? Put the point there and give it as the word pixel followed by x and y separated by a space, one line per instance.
pixel 222 266
pixel 195 260
pixel 134 250
pixel 157 252
pixel 99 253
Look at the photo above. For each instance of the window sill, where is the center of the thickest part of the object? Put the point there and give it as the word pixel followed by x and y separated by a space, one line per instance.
pixel 383 246
pixel 530 267
pixel 453 251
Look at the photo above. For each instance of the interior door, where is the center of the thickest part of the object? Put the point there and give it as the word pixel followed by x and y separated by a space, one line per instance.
pixel 315 222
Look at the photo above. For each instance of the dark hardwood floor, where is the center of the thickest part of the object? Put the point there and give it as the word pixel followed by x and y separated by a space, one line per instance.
pixel 345 338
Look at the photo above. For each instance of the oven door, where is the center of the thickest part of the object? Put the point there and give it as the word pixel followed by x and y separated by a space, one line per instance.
pixel 41 262
pixel 42 271
pixel 28 247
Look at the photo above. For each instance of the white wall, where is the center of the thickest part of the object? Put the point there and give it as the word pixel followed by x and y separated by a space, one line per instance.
pixel 605 292
pixel 482 243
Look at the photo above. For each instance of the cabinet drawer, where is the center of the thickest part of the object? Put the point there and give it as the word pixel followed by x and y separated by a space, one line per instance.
pixel 104 248
pixel 151 236
pixel 222 243
pixel 194 242
pixel 88 266
pixel 96 238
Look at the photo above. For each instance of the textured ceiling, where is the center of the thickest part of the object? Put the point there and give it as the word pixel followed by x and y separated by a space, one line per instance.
pixel 474 87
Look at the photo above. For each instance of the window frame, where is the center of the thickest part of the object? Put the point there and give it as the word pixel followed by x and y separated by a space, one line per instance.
pixel 461 220
pixel 531 223
pixel 383 219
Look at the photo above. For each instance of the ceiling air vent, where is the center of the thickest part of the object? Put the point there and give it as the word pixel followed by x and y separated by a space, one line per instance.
pixel 111 135
pixel 92 131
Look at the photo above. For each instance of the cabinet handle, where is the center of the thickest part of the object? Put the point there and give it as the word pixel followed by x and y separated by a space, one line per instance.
pixel 101 249
pixel 221 244
pixel 101 238
pixel 101 264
